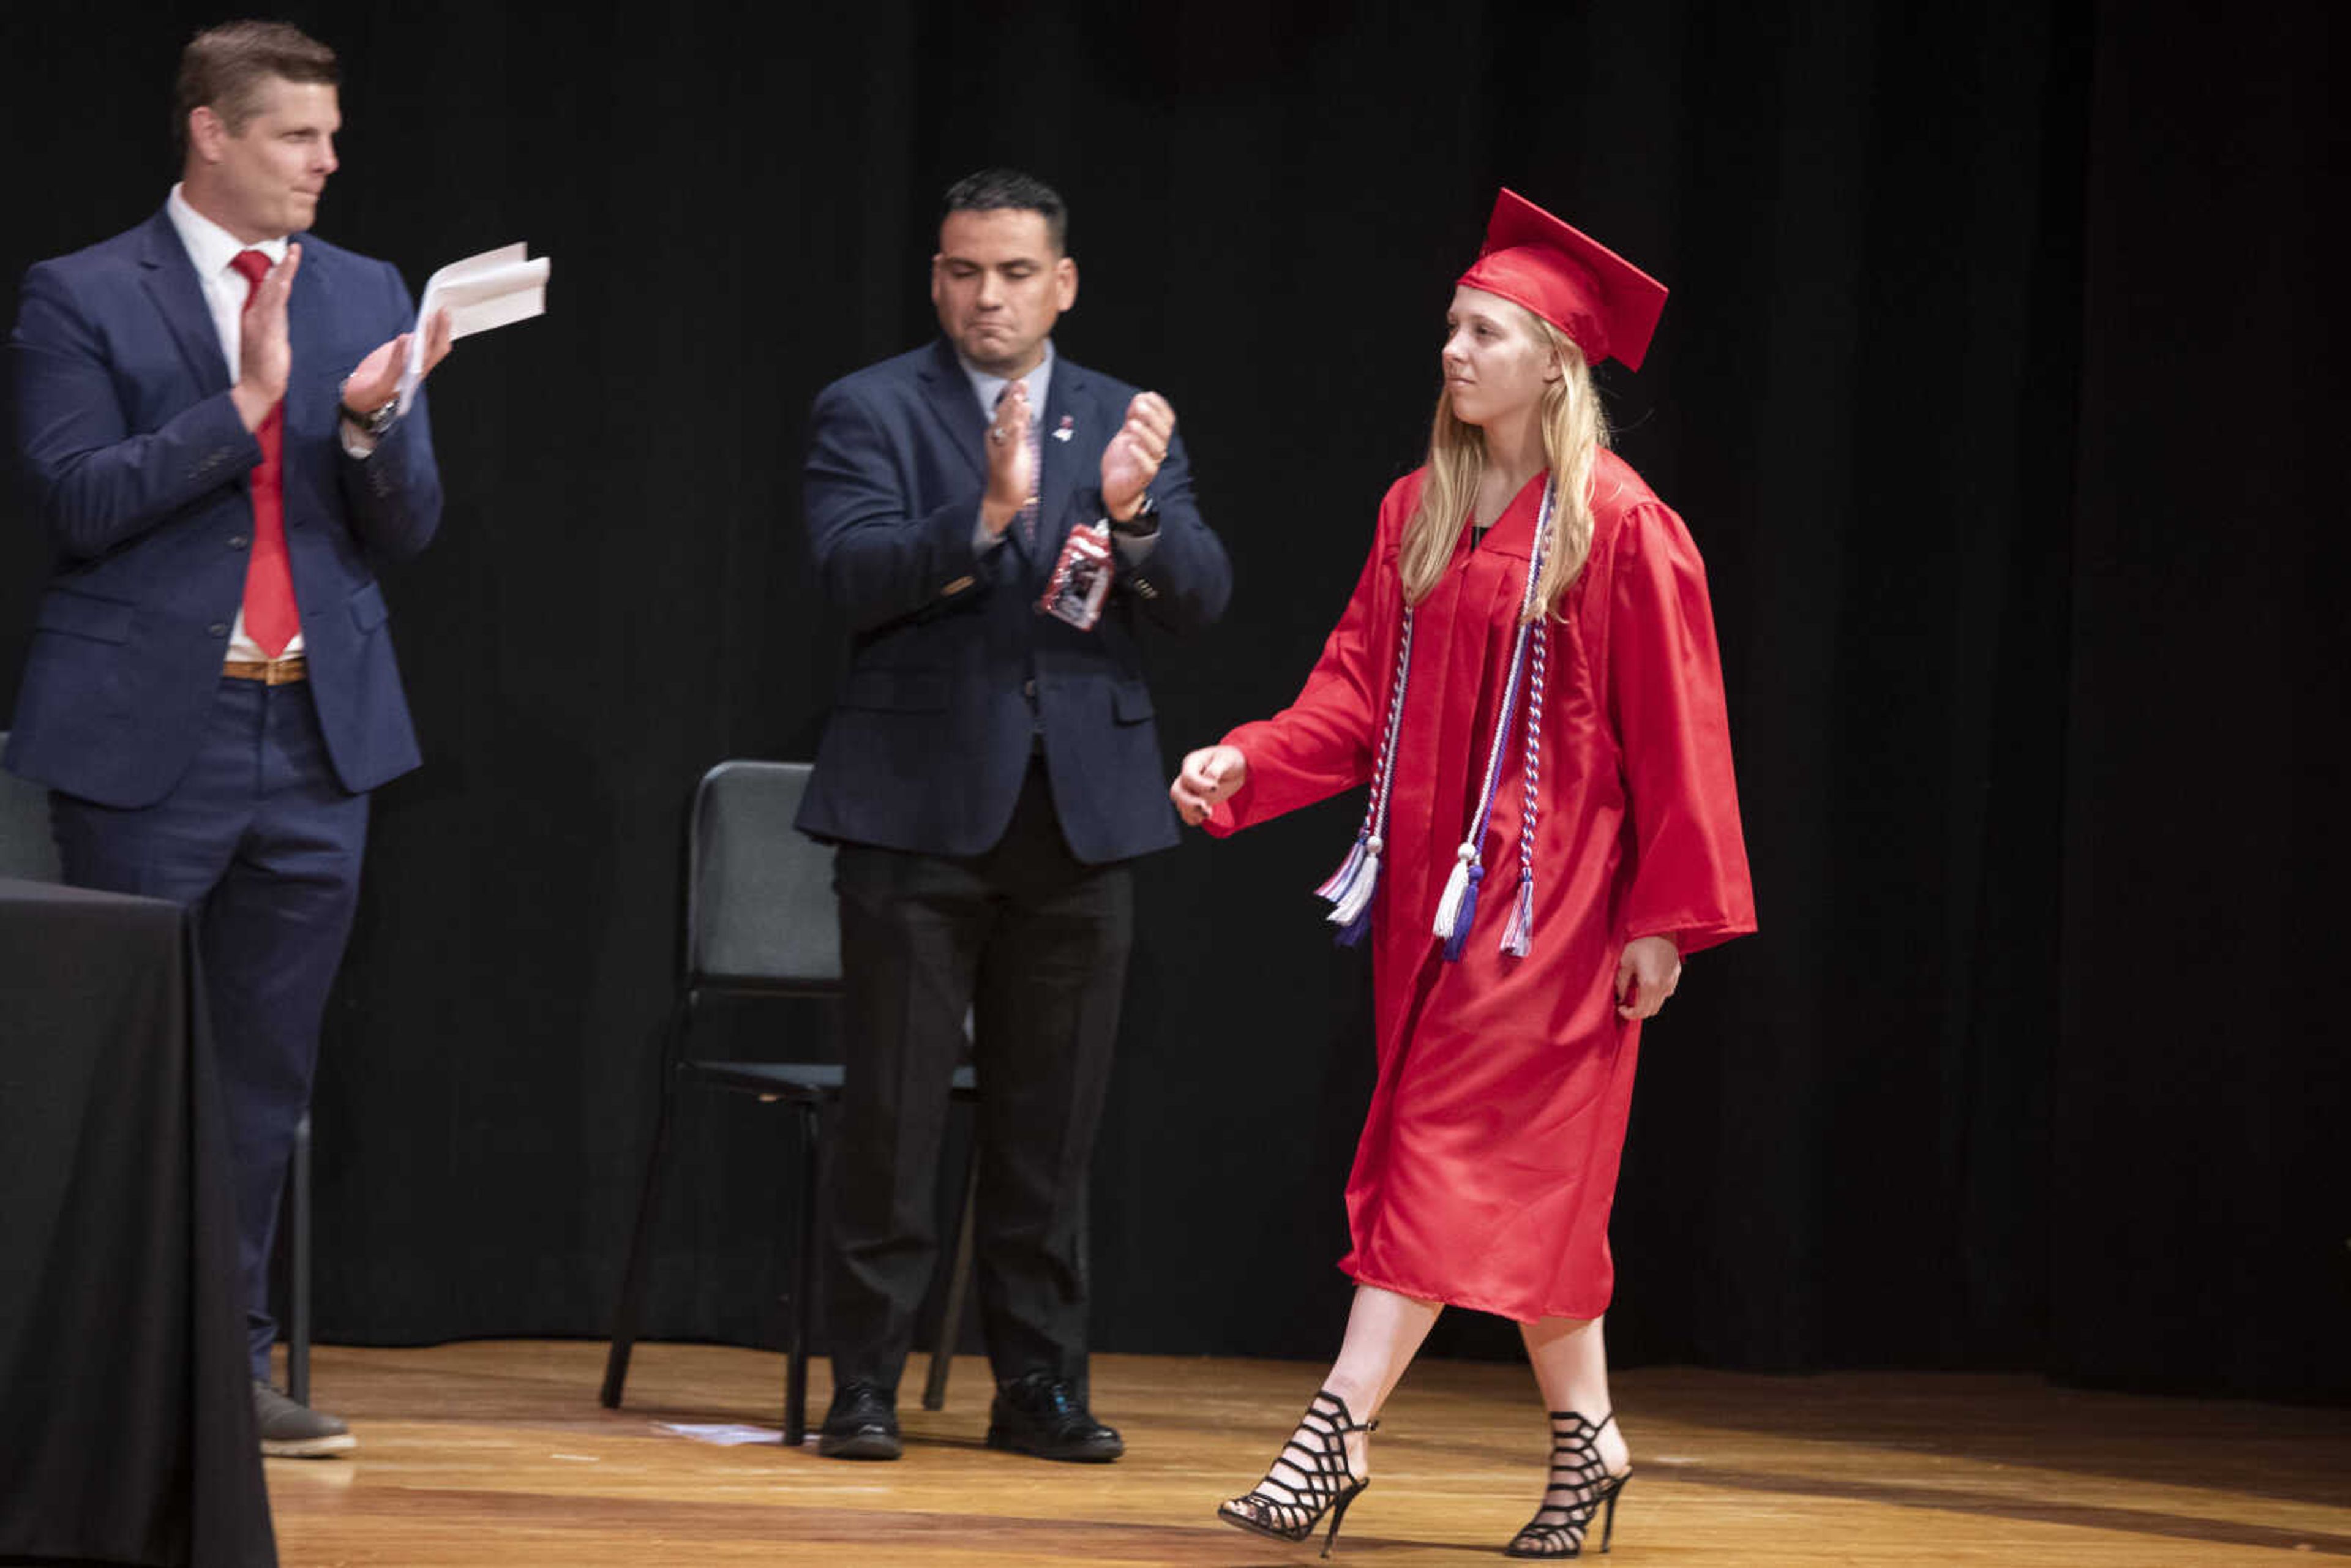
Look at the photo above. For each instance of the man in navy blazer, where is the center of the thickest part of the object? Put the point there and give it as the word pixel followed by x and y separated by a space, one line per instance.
pixel 987 771
pixel 209 434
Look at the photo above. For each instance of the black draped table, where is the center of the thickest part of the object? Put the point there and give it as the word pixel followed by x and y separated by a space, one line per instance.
pixel 126 1412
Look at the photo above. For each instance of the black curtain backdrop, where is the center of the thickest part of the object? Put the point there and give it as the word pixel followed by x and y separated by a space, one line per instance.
pixel 1996 385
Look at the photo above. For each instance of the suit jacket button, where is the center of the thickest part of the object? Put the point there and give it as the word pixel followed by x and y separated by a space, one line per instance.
pixel 237 542
pixel 1028 689
pixel 218 629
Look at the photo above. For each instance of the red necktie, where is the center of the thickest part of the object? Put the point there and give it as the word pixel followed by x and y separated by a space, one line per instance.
pixel 269 616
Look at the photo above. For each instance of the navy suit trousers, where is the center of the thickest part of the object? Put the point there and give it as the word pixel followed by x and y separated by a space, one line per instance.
pixel 263 843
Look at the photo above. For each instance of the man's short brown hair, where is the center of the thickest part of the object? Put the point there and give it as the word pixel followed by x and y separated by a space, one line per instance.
pixel 227 67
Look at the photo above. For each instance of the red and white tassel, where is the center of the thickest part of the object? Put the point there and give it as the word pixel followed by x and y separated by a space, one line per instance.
pixel 1335 888
pixel 1349 892
pixel 1520 933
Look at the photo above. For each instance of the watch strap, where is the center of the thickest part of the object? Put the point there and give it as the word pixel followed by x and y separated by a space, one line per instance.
pixel 1143 524
pixel 372 424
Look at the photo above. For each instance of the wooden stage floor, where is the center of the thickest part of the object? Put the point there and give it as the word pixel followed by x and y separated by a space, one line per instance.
pixel 496 1453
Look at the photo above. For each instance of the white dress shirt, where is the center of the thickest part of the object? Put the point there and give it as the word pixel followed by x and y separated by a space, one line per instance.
pixel 212 248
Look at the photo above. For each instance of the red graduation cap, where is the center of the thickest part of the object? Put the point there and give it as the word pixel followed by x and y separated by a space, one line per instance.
pixel 1605 304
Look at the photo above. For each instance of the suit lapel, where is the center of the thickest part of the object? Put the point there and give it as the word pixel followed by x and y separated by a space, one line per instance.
pixel 310 310
pixel 948 391
pixel 172 283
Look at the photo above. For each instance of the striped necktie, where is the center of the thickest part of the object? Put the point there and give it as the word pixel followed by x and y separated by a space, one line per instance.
pixel 1028 513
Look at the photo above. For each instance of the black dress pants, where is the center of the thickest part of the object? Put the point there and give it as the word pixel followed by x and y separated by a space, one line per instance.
pixel 1035 944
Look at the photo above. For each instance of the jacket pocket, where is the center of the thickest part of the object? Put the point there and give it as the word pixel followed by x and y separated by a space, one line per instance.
pixel 368 608
pixel 1129 702
pixel 895 691
pixel 85 615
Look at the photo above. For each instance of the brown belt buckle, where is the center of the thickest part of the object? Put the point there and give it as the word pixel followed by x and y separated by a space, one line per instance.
pixel 269 672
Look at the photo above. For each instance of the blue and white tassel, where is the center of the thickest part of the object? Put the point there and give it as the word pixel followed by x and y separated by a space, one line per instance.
pixel 1459 907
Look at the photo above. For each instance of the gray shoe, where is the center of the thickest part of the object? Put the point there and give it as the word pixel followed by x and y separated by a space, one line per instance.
pixel 291 1431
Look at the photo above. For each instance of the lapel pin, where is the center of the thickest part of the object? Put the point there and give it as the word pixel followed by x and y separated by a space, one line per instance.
pixel 1068 428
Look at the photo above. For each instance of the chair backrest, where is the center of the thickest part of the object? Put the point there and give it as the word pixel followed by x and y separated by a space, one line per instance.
pixel 26 847
pixel 759 910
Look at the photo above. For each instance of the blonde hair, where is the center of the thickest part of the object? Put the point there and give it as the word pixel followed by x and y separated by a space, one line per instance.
pixel 1575 431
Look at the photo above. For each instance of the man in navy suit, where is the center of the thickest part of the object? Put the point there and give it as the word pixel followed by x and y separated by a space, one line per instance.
pixel 209 431
pixel 989 771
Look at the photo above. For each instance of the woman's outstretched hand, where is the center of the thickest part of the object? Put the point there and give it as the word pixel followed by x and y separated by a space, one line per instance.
pixel 1645 975
pixel 1208 775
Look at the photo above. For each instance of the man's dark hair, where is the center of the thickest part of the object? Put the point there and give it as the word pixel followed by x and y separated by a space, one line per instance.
pixel 995 190
pixel 227 67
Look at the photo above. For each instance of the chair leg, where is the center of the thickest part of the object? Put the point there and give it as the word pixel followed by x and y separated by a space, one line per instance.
pixel 297 1285
pixel 934 1385
pixel 796 1363
pixel 640 1243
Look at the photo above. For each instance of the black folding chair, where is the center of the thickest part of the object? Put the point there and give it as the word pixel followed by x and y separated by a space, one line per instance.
pixel 760 921
pixel 27 850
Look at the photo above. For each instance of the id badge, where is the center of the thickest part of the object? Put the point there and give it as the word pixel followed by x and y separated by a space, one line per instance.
pixel 1080 578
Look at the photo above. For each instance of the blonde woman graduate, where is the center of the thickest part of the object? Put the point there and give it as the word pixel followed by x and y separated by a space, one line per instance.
pixel 1527 679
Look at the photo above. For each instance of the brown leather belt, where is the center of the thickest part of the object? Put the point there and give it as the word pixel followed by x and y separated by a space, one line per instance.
pixel 269 672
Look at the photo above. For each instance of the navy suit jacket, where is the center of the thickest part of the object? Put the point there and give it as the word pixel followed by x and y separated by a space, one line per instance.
pixel 138 468
pixel 951 669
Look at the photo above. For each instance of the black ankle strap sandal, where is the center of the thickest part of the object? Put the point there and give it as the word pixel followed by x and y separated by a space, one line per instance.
pixel 1579 1478
pixel 1316 1454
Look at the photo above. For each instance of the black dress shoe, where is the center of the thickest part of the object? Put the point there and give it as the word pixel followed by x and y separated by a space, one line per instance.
pixel 1042 1415
pixel 861 1424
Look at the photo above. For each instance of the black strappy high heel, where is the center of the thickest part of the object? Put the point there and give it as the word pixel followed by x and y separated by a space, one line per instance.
pixel 1558 1529
pixel 1316 1454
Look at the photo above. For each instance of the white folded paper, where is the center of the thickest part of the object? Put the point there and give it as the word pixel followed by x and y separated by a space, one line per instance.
pixel 492 290
pixel 726 1434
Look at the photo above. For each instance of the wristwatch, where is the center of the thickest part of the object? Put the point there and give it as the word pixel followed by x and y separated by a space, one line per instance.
pixel 1142 525
pixel 372 425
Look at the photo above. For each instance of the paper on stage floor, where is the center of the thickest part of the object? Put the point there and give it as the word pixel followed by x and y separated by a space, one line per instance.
pixel 492 290
pixel 726 1434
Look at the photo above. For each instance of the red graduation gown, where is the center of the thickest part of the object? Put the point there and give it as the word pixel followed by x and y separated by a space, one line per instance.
pixel 1488 1161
